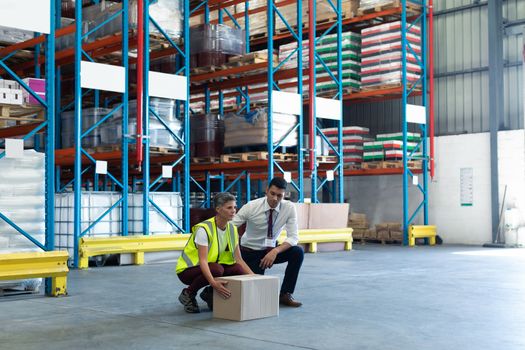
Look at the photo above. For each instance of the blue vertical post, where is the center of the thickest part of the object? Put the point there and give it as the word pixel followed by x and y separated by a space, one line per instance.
pixel 248 187
pixel 77 187
pixel 270 12
pixel 208 190
pixel 145 119
pixel 404 120
pixel 187 118
pixel 50 140
pixel 312 95
pixel 340 172
pixel 125 111
pixel 425 103
pixel 300 154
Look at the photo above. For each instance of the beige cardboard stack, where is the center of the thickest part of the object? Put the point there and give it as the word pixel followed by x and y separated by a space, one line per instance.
pixel 252 297
pixel 359 222
pixel 389 231
pixel 322 215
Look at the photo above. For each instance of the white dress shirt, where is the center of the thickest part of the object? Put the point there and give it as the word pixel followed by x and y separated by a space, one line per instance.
pixel 255 215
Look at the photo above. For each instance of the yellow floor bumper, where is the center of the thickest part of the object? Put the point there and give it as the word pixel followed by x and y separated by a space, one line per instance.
pixel 422 231
pixel 314 236
pixel 16 266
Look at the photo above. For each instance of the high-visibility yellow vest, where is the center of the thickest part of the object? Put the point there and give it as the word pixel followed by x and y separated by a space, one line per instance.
pixel 221 255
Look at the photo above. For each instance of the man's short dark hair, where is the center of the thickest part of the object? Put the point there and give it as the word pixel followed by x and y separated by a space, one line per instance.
pixel 278 182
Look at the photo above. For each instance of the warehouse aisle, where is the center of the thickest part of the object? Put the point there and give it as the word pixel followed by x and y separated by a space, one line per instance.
pixel 375 297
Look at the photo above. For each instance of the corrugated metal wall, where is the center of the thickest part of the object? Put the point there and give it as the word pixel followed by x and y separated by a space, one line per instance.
pixel 461 73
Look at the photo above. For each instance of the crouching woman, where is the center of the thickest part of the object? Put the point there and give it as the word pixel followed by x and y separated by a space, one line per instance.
pixel 212 251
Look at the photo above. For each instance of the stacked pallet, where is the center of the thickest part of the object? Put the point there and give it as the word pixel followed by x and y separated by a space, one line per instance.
pixel 353 139
pixel 327 50
pixel 359 223
pixel 389 147
pixel 381 56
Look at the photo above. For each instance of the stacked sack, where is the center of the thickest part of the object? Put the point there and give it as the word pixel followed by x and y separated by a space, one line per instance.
pixel 381 55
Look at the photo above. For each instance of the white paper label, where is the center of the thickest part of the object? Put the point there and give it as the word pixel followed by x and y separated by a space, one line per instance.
pixel 167 171
pixel 416 114
pixel 329 175
pixel 287 102
pixel 307 200
pixel 31 15
pixel 287 176
pixel 101 167
pixel 415 180
pixel 100 76
pixel 168 86
pixel 14 148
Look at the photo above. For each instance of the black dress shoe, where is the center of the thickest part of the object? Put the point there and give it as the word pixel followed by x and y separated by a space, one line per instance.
pixel 287 300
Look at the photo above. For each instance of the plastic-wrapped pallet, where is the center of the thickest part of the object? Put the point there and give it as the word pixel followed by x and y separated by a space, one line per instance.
pixel 258 23
pixel 381 55
pixel 13 36
pixel 90 116
pixel 169 202
pixel 253 129
pixel 368 5
pixel 159 136
pixel 213 44
pixel 22 200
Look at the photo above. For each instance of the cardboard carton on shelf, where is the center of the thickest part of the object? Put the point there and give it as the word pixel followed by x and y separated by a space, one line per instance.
pixel 252 297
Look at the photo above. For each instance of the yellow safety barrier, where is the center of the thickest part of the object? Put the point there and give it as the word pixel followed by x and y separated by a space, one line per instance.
pixel 16 266
pixel 314 236
pixel 136 245
pixel 422 231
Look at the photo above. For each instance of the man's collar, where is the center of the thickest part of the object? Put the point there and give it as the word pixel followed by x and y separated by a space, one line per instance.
pixel 267 206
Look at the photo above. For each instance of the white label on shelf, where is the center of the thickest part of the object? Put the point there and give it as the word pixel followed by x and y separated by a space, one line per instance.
pixel 101 76
pixel 327 108
pixel 416 114
pixel 287 176
pixel 168 86
pixel 415 180
pixel 329 175
pixel 307 200
pixel 101 167
pixel 31 15
pixel 14 148
pixel 466 183
pixel 286 102
pixel 167 171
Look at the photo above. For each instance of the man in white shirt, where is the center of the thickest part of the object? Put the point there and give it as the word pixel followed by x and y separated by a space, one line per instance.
pixel 265 218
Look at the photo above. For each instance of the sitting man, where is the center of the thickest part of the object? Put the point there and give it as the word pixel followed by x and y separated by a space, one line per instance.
pixel 265 218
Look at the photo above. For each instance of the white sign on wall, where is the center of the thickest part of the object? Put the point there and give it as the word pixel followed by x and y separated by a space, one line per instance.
pixel 166 85
pixel 286 102
pixel 466 183
pixel 328 108
pixel 31 15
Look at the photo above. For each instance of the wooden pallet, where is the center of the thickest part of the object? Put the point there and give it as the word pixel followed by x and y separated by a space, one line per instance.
pixel 392 164
pixel 326 159
pixel 261 155
pixel 21 113
pixel 258 36
pixel 352 166
pixel 205 160
pixel 413 8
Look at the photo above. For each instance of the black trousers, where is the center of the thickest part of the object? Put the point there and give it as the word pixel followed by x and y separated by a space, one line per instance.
pixel 293 256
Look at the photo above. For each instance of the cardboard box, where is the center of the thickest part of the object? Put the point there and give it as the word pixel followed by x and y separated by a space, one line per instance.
pixel 253 296
pixel 303 212
pixel 328 215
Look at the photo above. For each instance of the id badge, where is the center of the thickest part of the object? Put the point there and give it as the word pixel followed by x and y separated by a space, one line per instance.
pixel 269 243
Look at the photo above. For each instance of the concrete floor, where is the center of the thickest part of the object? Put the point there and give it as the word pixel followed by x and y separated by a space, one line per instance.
pixel 375 297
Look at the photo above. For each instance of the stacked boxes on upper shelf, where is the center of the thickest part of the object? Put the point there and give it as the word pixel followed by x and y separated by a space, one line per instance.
pixel 390 147
pixel 353 139
pixel 382 55
pixel 327 51
pixel 11 93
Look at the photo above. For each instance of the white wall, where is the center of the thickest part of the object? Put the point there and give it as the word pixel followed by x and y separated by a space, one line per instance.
pixel 380 197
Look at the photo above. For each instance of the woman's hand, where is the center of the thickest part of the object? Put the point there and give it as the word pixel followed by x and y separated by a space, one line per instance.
pixel 219 286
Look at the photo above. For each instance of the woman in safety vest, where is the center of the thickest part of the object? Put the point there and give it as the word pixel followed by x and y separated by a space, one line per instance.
pixel 212 251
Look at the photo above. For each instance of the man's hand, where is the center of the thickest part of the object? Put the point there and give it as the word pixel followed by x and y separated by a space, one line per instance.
pixel 219 286
pixel 268 259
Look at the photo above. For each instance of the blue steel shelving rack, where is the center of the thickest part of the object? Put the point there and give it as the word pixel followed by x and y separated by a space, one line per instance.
pixel 48 124
pixel 183 68
pixel 272 12
pixel 338 184
pixel 406 24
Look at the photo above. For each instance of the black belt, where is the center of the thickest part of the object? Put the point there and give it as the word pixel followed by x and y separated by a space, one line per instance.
pixel 246 249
